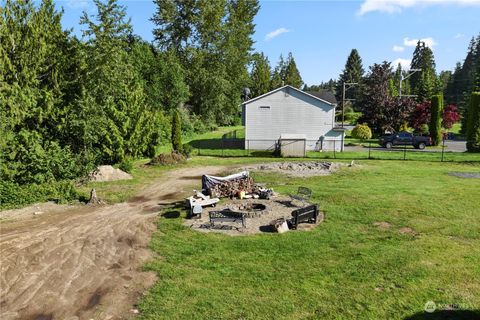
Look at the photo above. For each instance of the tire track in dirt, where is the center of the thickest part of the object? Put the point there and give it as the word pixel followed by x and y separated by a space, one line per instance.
pixel 84 262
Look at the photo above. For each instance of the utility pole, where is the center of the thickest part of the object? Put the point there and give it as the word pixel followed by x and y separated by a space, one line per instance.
pixel 410 72
pixel 346 86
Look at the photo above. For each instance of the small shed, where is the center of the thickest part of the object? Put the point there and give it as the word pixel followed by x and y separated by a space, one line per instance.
pixel 293 145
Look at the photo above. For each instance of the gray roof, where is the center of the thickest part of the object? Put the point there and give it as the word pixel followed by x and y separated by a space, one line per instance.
pixel 324 94
pixel 290 87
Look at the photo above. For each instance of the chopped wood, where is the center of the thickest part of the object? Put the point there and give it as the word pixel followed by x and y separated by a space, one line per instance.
pixel 232 187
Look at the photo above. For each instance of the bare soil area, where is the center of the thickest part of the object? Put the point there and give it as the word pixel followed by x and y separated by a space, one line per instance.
pixel 84 262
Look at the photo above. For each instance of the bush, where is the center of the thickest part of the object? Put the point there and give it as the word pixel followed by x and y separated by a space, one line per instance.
pixel 168 159
pixel 435 125
pixel 126 165
pixel 362 131
pixel 187 150
pixel 13 195
pixel 176 132
pixel 473 123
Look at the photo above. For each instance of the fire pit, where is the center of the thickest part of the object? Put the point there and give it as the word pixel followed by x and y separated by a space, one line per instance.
pixel 250 209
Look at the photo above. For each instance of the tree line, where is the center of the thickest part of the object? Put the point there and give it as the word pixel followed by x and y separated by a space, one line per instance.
pixel 70 103
pixel 393 100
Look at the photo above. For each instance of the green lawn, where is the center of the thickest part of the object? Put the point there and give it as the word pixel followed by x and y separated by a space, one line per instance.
pixel 346 268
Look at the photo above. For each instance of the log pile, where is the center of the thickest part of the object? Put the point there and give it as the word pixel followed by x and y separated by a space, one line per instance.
pixel 231 188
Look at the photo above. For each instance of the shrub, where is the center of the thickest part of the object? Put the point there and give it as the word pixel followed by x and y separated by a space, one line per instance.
pixel 168 159
pixel 362 131
pixel 405 127
pixel 13 195
pixel 187 150
pixel 126 165
pixel 435 125
pixel 473 124
pixel 176 132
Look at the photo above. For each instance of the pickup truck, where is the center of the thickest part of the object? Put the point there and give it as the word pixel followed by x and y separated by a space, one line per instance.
pixel 404 138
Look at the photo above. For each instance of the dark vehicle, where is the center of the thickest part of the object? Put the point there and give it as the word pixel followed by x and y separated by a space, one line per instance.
pixel 404 138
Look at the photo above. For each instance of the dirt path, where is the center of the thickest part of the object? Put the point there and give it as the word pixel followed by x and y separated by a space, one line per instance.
pixel 84 262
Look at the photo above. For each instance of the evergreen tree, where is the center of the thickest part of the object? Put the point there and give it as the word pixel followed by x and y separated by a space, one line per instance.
pixel 35 58
pixel 453 90
pixel 423 83
pixel 120 123
pixel 473 125
pixel 176 140
pixel 260 75
pixel 278 74
pixel 435 125
pixel 353 73
pixel 292 75
pixel 466 81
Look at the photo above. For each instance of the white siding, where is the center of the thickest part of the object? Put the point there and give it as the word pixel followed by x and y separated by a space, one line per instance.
pixel 289 112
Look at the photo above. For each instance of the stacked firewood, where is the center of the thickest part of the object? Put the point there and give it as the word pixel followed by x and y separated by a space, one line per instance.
pixel 233 187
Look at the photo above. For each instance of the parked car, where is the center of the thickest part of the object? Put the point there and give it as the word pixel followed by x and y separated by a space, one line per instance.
pixel 404 138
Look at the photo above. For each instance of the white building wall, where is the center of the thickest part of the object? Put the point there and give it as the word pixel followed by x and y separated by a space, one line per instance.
pixel 288 111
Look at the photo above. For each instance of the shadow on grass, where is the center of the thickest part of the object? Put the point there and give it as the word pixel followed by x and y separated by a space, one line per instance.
pixel 446 315
pixel 217 144
pixel 171 214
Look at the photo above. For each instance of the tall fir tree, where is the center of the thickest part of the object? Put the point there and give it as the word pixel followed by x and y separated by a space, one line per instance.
pixel 352 73
pixel 260 75
pixel 466 78
pixel 278 74
pixel 423 83
pixel 292 75
pixel 120 123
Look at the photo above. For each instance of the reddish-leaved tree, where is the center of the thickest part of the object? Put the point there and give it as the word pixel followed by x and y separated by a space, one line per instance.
pixel 450 116
pixel 422 113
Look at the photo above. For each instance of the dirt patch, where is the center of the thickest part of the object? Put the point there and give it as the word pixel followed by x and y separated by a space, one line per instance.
pixel 466 175
pixel 82 262
pixel 298 169
pixel 407 230
pixel 382 225
pixel 34 211
pixel 258 219
pixel 108 173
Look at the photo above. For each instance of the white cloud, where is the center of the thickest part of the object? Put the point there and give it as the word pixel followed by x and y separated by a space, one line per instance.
pixel 397 6
pixel 429 42
pixel 459 35
pixel 276 33
pixel 398 48
pixel 405 63
pixel 78 4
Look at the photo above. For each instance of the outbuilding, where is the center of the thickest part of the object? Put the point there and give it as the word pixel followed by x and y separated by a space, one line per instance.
pixel 290 112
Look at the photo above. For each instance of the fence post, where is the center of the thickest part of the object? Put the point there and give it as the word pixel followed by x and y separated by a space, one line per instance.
pixel 222 149
pixel 369 148
pixel 248 148
pixel 334 147
pixel 443 147
pixel 404 152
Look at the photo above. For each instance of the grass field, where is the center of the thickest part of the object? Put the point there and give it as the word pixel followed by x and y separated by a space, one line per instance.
pixel 347 268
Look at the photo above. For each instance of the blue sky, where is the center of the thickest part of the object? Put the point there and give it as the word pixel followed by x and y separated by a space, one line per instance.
pixel 320 34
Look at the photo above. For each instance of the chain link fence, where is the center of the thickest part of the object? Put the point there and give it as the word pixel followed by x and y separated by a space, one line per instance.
pixel 236 147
